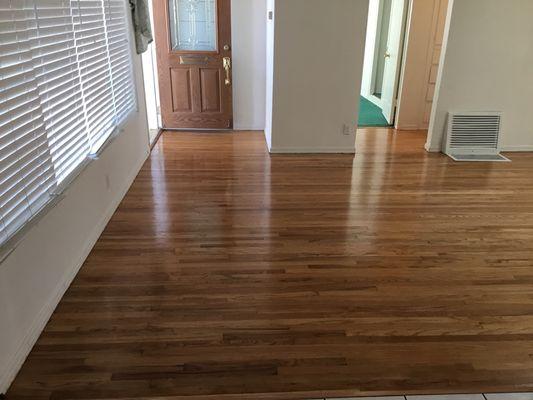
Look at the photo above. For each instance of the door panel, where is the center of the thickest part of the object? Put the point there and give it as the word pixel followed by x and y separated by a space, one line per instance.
pixel 393 59
pixel 193 42
pixel 181 87
pixel 210 82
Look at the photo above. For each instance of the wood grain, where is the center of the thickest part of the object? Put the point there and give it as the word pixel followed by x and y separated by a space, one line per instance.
pixel 227 273
pixel 193 96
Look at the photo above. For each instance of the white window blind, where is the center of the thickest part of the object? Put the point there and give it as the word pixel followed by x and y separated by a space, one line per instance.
pixel 119 58
pixel 26 172
pixel 65 85
pixel 93 56
pixel 58 78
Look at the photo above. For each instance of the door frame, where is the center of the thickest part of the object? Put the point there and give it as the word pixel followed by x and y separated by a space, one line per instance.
pixel 405 25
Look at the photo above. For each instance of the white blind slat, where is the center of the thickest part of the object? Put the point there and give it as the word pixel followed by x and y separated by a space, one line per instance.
pixel 65 84
pixel 26 165
pixel 57 70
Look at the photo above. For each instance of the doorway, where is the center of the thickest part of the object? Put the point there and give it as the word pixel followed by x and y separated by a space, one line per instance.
pixel 193 38
pixel 383 61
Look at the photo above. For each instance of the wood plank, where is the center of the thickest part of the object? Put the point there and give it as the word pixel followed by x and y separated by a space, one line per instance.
pixel 228 273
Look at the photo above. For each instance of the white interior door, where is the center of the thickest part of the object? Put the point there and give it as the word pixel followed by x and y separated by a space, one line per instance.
pixel 393 59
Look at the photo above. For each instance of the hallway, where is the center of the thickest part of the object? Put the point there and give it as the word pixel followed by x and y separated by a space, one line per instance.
pixel 229 271
pixel 370 115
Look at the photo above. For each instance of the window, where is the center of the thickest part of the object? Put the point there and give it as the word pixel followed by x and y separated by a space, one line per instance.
pixel 193 25
pixel 65 85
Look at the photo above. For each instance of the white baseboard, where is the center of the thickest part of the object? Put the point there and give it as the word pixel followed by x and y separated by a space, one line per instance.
pixel 432 149
pixel 312 150
pixel 30 338
pixel 407 128
pixel 248 128
pixel 518 148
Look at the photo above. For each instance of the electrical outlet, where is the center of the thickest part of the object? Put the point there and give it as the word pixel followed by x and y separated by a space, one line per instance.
pixel 347 130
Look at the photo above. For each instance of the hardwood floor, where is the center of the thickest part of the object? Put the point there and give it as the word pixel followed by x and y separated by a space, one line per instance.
pixel 227 271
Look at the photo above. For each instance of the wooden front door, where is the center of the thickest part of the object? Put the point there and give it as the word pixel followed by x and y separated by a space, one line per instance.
pixel 193 42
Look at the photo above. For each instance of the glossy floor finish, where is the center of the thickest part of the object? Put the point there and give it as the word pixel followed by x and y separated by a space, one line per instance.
pixel 226 271
pixel 499 396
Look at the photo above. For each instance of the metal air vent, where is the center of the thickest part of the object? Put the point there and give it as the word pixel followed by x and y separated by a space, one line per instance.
pixel 474 136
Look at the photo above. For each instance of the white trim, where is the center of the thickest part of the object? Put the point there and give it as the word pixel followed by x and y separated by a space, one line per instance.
pixel 409 128
pixel 374 99
pixel 312 150
pixel 16 360
pixel 249 128
pixel 524 148
pixel 432 149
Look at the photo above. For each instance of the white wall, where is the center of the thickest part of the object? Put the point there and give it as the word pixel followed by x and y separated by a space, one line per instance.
pixel 317 69
pixel 34 277
pixel 487 67
pixel 249 23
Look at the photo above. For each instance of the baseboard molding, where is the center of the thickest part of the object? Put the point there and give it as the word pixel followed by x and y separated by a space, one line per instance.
pixel 28 341
pixel 312 150
pixel 432 149
pixel 408 128
pixel 518 148
pixel 249 128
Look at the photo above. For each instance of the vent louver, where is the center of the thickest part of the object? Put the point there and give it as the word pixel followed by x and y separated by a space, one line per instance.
pixel 471 134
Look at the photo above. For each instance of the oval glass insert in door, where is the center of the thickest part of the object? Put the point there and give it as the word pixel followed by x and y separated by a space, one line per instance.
pixel 193 25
